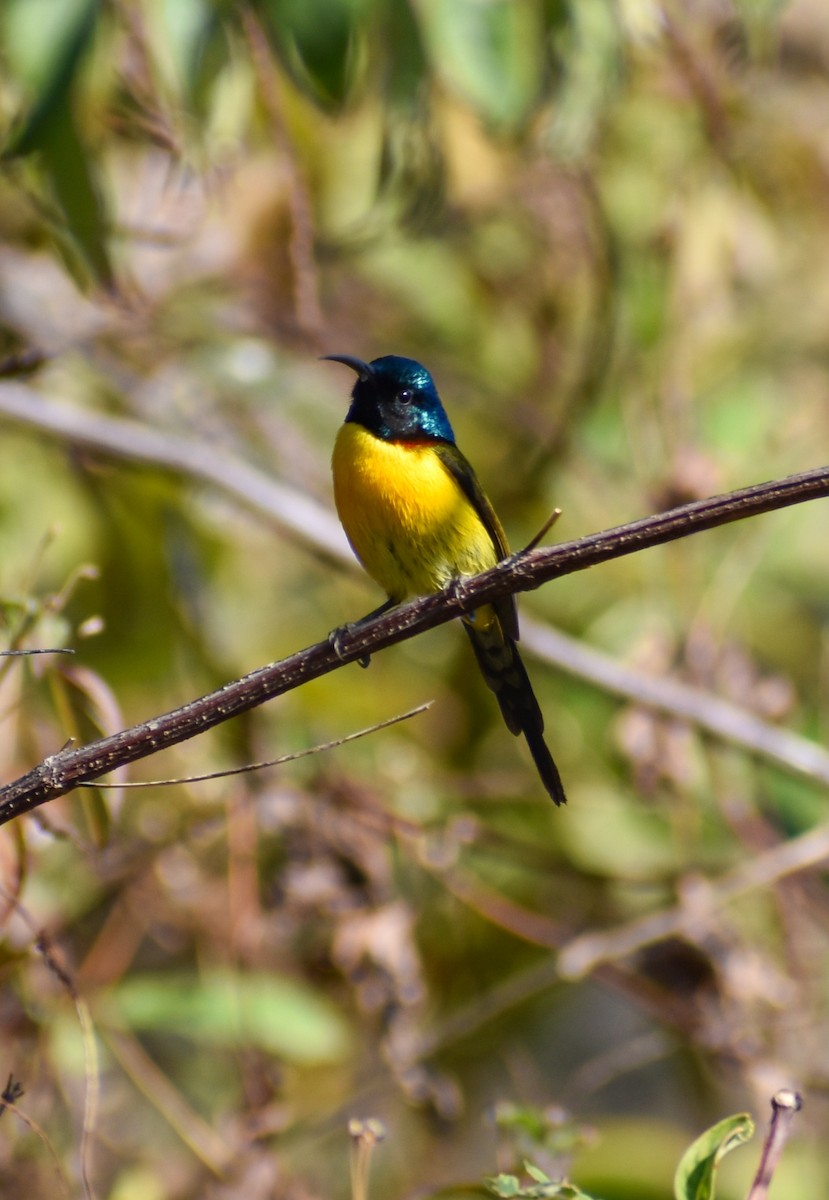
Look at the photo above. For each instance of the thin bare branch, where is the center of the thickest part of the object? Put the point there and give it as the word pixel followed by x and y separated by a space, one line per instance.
pixel 301 517
pixel 544 530
pixel 44 1137
pixel 25 653
pixel 25 362
pixel 44 947
pixel 11 1092
pixel 294 512
pixel 206 1143
pixel 364 1134
pixel 700 902
pixel 61 772
pixel 699 707
pixel 785 1106
pixel 271 762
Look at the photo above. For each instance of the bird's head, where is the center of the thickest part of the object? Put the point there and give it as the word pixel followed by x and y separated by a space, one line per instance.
pixel 396 399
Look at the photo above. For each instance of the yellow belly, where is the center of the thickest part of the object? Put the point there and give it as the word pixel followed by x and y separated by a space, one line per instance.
pixel 407 519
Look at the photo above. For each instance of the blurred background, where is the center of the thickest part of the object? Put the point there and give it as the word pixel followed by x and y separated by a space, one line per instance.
pixel 604 227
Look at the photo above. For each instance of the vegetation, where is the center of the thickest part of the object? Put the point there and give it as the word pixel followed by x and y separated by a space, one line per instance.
pixel 601 226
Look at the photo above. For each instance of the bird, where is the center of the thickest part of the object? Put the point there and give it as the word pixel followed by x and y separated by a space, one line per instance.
pixel 417 519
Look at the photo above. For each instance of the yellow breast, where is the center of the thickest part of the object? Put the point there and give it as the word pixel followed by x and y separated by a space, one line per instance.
pixel 406 517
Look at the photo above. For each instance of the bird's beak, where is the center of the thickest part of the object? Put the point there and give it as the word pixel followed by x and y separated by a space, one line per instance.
pixel 362 368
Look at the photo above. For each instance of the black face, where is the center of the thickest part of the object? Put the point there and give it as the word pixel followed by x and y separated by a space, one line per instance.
pixel 396 399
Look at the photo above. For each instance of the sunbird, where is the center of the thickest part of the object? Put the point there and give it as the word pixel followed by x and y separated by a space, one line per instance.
pixel 417 518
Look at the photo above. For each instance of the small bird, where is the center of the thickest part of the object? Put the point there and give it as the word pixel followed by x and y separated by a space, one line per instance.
pixel 417 518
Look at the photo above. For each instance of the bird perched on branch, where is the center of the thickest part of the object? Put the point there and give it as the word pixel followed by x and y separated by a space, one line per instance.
pixel 417 518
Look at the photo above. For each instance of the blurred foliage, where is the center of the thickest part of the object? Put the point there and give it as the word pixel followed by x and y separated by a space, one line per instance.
pixel 600 225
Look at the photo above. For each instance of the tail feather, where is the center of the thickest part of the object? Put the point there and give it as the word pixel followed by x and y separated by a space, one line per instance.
pixel 505 674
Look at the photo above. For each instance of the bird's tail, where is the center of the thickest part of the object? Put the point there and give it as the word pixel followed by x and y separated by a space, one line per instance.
pixel 506 675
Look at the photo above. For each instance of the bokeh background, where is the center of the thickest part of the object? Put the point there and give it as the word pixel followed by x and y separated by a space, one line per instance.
pixel 605 229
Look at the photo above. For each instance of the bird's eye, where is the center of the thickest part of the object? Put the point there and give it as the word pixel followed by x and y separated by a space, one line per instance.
pixel 405 396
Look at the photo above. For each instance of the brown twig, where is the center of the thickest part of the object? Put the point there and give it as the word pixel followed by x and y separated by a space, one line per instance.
pixel 61 772
pixel 718 717
pixel 294 512
pixel 784 1107
pixel 11 1093
pixel 301 517
pixel 36 1129
pixel 53 963
pixel 697 71
pixel 248 768
pixel 24 362
pixel 43 650
pixel 364 1137
pixel 699 905
pixel 544 530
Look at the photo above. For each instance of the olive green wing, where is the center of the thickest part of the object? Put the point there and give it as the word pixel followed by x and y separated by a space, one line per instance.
pixel 462 472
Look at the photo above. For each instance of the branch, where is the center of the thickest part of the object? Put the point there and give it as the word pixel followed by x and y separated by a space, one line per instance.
pixel 61 772
pixel 315 526
pixel 724 720
pixel 785 1106
pixel 136 441
pixel 700 902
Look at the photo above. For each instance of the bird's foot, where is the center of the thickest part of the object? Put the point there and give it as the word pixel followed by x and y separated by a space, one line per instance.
pixel 335 641
pixel 336 636
pixel 455 590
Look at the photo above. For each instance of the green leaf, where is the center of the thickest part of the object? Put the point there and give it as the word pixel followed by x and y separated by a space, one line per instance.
pixel 220 1008
pixel 492 53
pixel 509 1187
pixel 76 190
pixel 45 41
pixel 695 1175
pixel 46 44
pixel 536 1173
pixel 315 40
pixel 530 1128
pixel 588 52
pixel 505 1186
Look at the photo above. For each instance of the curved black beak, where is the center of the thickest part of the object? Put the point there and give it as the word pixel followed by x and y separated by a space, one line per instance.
pixel 363 369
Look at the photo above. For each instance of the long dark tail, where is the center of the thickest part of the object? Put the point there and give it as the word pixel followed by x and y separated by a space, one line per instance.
pixel 506 675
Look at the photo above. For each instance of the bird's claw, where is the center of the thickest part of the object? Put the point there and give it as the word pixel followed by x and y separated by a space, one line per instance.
pixel 335 641
pixel 455 588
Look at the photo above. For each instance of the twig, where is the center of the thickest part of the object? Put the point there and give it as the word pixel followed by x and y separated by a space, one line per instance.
pixel 24 653
pixel 24 362
pixel 544 530
pixel 696 69
pixel 364 1137
pixel 44 948
pixel 718 717
pixel 208 1145
pixel 11 1092
pixel 700 903
pixel 271 762
pixel 301 517
pixel 61 772
pixel 44 1137
pixel 784 1107
pixel 142 80
pixel 292 510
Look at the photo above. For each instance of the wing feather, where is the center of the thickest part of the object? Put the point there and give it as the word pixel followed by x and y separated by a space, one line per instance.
pixel 464 475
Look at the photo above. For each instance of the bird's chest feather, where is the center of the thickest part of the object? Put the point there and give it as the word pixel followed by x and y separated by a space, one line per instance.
pixel 409 522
